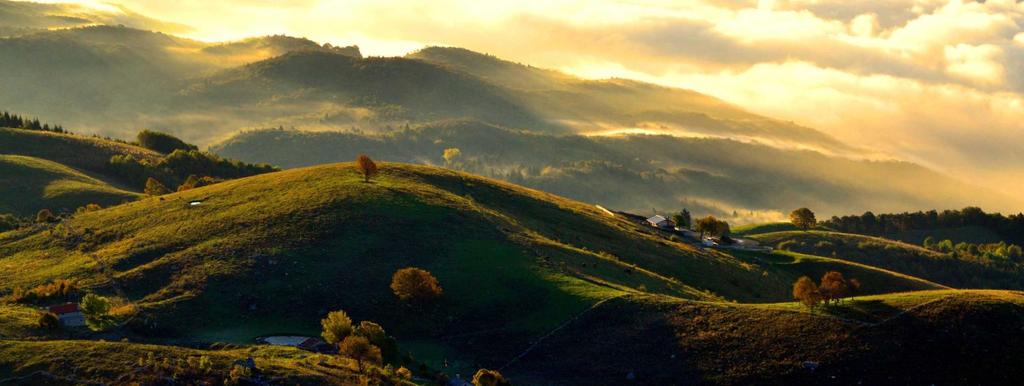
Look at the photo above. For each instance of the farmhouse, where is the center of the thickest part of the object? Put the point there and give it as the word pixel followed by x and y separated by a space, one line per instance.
pixel 69 315
pixel 659 221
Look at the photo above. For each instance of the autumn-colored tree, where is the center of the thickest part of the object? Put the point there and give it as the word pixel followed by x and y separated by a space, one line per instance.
pixel 366 166
pixel 45 215
pixel 336 327
pixel 485 377
pixel 806 292
pixel 376 335
pixel 450 155
pixel 155 188
pixel 803 218
pixel 360 349
pixel 415 285
pixel 833 286
pixel 712 226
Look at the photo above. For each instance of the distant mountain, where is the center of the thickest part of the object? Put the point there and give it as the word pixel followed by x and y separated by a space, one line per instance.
pixel 619 104
pixel 715 176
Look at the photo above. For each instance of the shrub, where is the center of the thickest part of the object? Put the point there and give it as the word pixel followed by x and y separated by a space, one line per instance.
pixel 415 285
pixel 45 216
pixel 376 335
pixel 9 222
pixel 58 291
pixel 96 310
pixel 194 181
pixel 403 373
pixel 88 208
pixel 155 188
pixel 48 321
pixel 336 327
pixel 162 142
pixel 485 377
pixel 360 349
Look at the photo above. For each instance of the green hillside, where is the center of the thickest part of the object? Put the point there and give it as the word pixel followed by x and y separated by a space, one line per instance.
pixel 272 253
pixel 29 184
pixel 84 153
pixel 76 362
pixel 930 337
pixel 902 257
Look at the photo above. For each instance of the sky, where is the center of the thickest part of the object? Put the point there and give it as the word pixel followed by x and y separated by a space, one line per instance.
pixel 934 82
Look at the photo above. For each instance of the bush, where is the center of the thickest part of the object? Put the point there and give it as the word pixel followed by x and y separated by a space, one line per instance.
pixel 485 377
pixel 403 373
pixel 58 291
pixel 96 310
pixel 9 222
pixel 360 349
pixel 48 321
pixel 88 208
pixel 376 335
pixel 336 327
pixel 45 216
pixel 155 188
pixel 162 142
pixel 194 181
pixel 415 285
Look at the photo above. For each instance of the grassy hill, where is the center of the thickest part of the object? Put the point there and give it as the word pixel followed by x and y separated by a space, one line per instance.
pixel 273 253
pixel 28 184
pixel 708 176
pixel 88 154
pixel 69 362
pixel 901 257
pixel 527 275
pixel 930 337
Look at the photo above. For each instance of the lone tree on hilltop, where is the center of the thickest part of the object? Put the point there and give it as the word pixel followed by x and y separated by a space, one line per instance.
pixel 155 188
pixel 415 285
pixel 803 218
pixel 450 155
pixel 360 349
pixel 806 292
pixel 366 166
pixel 336 327
pixel 485 377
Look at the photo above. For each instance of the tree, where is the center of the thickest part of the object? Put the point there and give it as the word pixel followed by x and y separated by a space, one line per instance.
pixel 366 166
pixel 336 327
pixel 376 335
pixel 45 215
pixel 360 349
pixel 683 219
pixel 49 321
pixel 155 188
pixel 96 310
pixel 713 226
pixel 193 181
pixel 806 292
pixel 162 142
pixel 485 377
pixel 450 155
pixel 833 286
pixel 415 285
pixel 803 218
pixel 854 285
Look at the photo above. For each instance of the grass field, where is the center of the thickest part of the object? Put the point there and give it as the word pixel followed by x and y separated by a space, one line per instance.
pixel 29 184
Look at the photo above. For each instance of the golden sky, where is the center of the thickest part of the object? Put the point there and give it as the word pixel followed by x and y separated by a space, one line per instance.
pixel 936 82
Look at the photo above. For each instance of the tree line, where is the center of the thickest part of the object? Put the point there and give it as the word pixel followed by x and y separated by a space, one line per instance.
pixel 15 121
pixel 1009 228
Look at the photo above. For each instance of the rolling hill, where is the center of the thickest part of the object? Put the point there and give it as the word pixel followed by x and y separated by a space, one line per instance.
pixel 901 257
pixel 739 181
pixel 273 253
pixel 28 184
